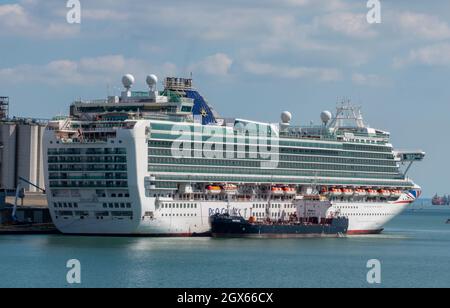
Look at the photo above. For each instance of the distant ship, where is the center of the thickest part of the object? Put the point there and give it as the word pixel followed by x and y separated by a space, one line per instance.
pixel 440 200
pixel 163 162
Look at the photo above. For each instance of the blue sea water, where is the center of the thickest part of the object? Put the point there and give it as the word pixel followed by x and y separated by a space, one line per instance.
pixel 414 251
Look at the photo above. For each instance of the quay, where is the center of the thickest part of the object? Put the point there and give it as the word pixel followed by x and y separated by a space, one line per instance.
pixel 33 216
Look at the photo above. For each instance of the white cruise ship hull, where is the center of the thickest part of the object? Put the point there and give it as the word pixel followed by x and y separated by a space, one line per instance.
pixel 152 163
pixel 192 218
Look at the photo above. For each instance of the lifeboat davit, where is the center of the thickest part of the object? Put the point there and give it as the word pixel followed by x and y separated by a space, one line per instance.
pixel 277 190
pixel 336 192
pixel 372 193
pixel 289 190
pixel 214 190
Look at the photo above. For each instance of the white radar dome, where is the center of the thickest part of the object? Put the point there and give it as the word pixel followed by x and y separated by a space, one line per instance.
pixel 152 80
pixel 286 117
pixel 326 116
pixel 128 80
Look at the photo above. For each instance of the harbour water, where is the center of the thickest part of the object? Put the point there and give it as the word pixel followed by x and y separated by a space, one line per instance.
pixel 413 251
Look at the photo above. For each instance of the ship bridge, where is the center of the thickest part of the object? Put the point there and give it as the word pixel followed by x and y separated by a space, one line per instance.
pixel 408 158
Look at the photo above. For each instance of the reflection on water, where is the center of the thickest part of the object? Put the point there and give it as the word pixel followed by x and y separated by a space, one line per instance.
pixel 413 251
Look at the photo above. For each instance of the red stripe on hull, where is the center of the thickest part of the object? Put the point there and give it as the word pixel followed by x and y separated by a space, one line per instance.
pixel 362 232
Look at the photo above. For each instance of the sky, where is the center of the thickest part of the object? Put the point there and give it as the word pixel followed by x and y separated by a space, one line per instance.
pixel 250 58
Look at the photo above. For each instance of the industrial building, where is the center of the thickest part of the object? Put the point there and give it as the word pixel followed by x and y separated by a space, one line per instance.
pixel 20 150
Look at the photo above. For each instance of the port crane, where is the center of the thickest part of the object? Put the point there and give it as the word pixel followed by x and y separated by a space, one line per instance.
pixel 20 194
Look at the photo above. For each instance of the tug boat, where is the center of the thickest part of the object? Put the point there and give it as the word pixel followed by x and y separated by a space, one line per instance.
pixel 308 221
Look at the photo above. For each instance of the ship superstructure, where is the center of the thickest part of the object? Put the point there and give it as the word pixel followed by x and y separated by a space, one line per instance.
pixel 163 162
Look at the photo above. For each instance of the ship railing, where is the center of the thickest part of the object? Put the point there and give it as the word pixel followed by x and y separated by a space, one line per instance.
pixel 84 141
pixel 92 101
pixel 167 117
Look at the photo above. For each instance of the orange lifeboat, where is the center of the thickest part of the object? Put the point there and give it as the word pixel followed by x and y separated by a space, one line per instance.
pixel 384 193
pixel 324 191
pixel 336 191
pixel 289 190
pixel 214 190
pixel 230 188
pixel 348 192
pixel 360 192
pixel 396 193
pixel 372 193
pixel 277 190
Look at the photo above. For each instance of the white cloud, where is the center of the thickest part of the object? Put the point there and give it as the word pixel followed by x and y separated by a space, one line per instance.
pixel 16 20
pixel 371 80
pixel 104 14
pixel 423 26
pixel 435 55
pixel 292 72
pixel 13 16
pixel 323 5
pixel 86 71
pixel 216 65
pixel 348 24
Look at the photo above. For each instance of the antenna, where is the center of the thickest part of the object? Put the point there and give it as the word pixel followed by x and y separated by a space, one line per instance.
pixel 347 115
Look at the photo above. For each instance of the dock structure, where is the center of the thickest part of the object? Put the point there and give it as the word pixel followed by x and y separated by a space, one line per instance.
pixel 32 216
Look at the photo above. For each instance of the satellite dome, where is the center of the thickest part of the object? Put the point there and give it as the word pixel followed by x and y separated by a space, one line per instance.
pixel 326 116
pixel 152 80
pixel 286 117
pixel 128 80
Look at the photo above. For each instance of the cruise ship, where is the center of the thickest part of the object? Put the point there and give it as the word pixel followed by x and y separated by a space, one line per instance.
pixel 162 162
